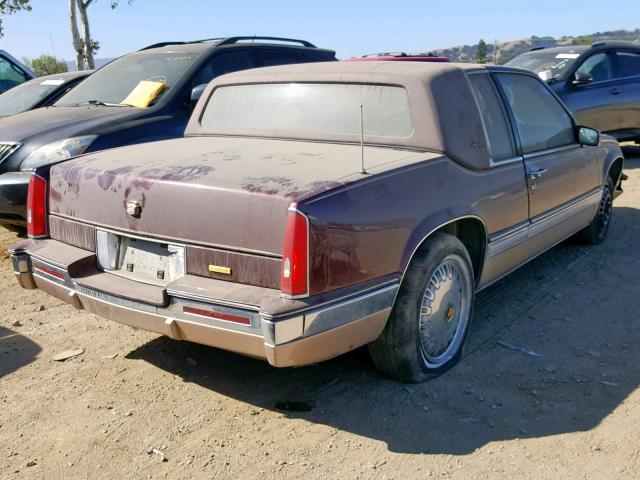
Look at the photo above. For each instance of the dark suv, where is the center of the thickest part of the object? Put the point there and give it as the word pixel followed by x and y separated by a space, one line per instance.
pixel 600 83
pixel 98 113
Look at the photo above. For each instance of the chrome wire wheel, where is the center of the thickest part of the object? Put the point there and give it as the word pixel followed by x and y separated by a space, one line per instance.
pixel 445 311
pixel 604 211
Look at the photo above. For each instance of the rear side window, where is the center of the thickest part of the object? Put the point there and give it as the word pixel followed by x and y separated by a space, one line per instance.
pixel 541 120
pixel 222 63
pixel 315 109
pixel 493 116
pixel 273 57
pixel 628 64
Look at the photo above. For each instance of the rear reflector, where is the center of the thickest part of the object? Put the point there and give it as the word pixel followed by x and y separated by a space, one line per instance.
pixel 295 256
pixel 37 207
pixel 217 315
pixel 49 271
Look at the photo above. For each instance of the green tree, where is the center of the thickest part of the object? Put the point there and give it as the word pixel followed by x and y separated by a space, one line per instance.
pixel 583 40
pixel 47 65
pixel 7 7
pixel 480 55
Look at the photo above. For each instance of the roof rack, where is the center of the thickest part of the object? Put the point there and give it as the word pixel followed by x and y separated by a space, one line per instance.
pixel 533 49
pixel 600 43
pixel 231 41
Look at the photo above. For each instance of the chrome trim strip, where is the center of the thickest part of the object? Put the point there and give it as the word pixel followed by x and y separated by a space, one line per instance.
pixel 542 223
pixel 113 300
pixel 329 302
pixel 551 151
pixel 507 240
pixel 347 311
pixel 336 314
pixel 205 299
pixel 548 220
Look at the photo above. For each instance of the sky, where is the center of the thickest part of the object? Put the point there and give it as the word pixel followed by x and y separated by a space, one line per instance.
pixel 351 27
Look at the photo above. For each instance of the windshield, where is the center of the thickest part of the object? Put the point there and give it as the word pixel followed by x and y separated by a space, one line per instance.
pixel 310 108
pixel 28 95
pixel 548 65
pixel 114 82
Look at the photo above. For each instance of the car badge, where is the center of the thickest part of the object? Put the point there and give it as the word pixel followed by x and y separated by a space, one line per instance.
pixel 134 208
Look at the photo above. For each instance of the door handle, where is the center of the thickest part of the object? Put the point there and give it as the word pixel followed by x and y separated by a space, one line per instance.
pixel 537 174
pixel 615 91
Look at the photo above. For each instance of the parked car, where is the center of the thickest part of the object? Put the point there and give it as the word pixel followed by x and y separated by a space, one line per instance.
pixel 164 81
pixel 12 72
pixel 272 231
pixel 600 83
pixel 39 92
pixel 398 57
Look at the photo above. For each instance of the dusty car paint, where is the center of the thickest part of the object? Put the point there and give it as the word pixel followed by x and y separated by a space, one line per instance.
pixel 225 197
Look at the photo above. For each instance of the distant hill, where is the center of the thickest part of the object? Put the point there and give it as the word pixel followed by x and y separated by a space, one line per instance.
pixel 508 50
pixel 98 61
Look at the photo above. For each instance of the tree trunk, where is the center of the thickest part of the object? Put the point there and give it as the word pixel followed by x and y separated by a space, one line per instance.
pixel 75 35
pixel 86 41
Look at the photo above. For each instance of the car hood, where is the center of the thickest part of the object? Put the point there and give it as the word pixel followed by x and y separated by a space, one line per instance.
pixel 55 123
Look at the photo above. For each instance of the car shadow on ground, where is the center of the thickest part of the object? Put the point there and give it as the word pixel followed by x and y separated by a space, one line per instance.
pixel 16 351
pixel 575 307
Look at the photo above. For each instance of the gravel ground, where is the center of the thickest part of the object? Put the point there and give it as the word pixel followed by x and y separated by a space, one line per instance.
pixel 573 411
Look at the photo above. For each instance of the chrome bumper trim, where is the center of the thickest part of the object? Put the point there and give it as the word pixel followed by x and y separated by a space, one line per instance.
pixel 273 331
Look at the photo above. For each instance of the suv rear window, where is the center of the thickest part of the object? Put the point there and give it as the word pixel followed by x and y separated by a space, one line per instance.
pixel 310 108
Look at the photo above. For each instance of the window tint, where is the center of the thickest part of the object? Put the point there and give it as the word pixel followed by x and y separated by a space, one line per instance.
pixel 493 116
pixel 542 121
pixel 628 64
pixel 598 66
pixel 222 63
pixel 271 57
pixel 10 75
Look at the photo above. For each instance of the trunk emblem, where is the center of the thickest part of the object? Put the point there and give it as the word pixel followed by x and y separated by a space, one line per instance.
pixel 134 208
pixel 220 269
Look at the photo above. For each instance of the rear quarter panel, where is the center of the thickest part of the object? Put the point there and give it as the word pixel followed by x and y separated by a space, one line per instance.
pixel 371 228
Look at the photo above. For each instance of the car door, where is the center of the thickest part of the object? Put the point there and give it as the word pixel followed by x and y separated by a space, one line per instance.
pixel 594 103
pixel 627 88
pixel 562 176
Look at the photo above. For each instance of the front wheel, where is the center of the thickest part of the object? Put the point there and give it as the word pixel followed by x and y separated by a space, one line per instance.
pixel 430 319
pixel 597 230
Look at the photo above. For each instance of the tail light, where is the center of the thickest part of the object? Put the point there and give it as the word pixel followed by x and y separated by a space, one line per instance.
pixel 37 207
pixel 295 256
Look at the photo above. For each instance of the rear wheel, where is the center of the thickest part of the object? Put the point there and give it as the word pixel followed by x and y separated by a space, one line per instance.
pixel 597 230
pixel 431 316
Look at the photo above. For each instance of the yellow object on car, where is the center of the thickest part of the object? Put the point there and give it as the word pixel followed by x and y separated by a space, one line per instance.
pixel 144 93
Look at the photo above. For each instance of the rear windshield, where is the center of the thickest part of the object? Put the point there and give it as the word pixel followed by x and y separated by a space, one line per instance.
pixel 115 81
pixel 310 108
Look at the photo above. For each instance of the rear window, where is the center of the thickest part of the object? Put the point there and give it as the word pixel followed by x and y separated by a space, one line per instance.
pixel 310 108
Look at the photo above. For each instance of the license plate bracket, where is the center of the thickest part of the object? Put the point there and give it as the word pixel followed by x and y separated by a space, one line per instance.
pixel 139 259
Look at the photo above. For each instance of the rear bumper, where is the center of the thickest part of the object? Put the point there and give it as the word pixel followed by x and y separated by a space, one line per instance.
pixel 13 198
pixel 289 338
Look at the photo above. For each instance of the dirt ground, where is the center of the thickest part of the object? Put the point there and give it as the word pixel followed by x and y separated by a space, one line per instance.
pixel 571 412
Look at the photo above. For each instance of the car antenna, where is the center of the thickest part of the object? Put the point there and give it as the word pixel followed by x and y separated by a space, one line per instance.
pixel 362 169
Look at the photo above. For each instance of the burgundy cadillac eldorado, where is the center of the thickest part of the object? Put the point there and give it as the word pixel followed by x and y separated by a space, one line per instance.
pixel 312 209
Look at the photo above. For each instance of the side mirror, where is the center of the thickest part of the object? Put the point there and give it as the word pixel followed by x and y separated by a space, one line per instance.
pixel 588 136
pixel 582 78
pixel 197 92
